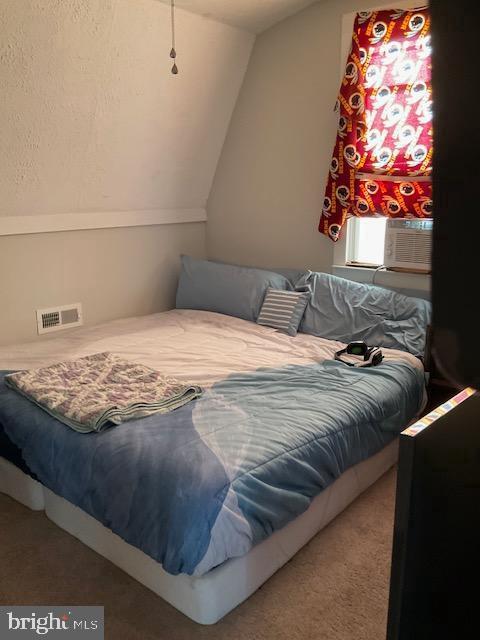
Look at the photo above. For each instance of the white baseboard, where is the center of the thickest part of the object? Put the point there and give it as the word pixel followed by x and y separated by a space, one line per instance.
pixel 17 225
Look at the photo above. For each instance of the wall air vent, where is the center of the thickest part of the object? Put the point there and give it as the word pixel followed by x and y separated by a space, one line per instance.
pixel 57 318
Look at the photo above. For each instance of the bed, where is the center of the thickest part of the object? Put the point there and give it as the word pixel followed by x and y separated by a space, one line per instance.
pixel 203 505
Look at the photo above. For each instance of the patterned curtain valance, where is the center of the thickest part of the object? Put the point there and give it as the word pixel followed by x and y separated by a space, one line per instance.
pixel 382 158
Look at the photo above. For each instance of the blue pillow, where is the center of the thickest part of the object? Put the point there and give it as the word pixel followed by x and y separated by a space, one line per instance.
pixel 224 288
pixel 343 310
pixel 294 276
pixel 291 274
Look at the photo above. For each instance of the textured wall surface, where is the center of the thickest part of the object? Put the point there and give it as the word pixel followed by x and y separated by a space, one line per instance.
pixel 268 190
pixel 93 121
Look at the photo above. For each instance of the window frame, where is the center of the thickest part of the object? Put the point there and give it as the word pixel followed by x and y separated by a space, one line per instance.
pixel 359 273
pixel 342 248
pixel 352 233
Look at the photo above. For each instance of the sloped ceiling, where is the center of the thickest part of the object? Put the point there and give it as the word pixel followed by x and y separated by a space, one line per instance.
pixel 93 120
pixel 252 15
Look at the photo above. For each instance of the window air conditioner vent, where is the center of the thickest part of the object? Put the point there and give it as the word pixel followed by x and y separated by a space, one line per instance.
pixel 408 244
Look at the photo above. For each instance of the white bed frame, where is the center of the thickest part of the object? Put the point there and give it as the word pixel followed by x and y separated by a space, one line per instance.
pixel 208 598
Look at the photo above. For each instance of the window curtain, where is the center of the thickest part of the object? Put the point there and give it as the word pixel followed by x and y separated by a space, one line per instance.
pixel 384 137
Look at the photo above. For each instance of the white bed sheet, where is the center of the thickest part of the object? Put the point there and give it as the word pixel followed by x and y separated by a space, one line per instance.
pixel 195 346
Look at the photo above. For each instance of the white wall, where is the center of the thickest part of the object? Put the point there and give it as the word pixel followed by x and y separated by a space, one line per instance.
pixel 115 273
pixel 266 197
pixel 92 121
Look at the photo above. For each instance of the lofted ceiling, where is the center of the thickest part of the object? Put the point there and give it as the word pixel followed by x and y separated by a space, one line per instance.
pixel 253 15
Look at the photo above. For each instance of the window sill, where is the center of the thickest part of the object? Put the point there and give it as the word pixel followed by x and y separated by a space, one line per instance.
pixel 363 265
pixel 410 283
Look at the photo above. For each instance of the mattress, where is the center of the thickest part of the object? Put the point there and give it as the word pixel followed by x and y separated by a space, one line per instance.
pixel 20 486
pixel 292 436
pixel 9 451
pixel 208 598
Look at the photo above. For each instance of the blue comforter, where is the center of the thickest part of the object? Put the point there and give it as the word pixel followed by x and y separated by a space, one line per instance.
pixel 208 481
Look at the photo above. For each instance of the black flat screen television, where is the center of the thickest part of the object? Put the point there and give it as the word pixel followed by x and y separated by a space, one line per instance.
pixel 456 178
pixel 435 578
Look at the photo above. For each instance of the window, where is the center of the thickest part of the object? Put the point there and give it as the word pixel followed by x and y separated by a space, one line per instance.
pixel 365 241
pixel 382 159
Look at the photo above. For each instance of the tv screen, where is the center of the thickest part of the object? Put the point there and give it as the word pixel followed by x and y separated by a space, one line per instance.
pixel 435 579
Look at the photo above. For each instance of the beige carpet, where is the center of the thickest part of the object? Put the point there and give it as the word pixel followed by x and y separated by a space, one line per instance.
pixel 335 588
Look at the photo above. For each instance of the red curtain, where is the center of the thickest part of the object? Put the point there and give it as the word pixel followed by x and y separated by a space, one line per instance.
pixel 384 137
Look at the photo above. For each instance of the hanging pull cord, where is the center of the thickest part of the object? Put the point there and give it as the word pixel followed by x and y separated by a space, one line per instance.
pixel 173 52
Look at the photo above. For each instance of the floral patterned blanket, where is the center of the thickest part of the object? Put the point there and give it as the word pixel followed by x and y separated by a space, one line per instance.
pixel 91 393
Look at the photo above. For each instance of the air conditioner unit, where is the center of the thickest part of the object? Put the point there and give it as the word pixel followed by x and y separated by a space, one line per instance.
pixel 408 244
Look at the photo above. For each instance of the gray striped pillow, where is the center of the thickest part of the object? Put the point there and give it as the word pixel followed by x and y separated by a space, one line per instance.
pixel 283 310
